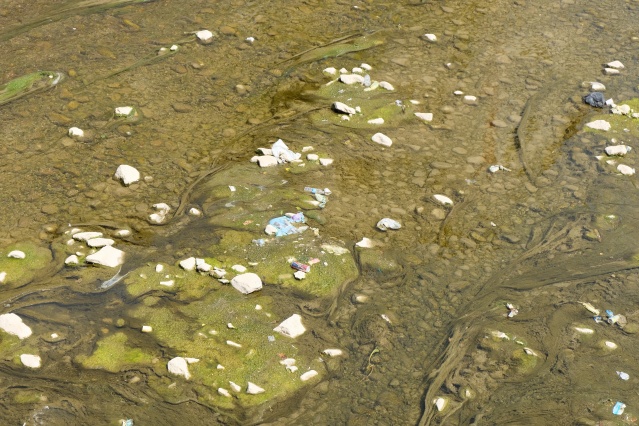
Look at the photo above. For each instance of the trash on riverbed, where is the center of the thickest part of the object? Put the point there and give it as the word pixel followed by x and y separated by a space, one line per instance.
pixel 282 153
pixel 285 225
pixel 162 210
pixel 388 223
pixel 17 254
pixel 324 191
pixel 126 422
pixel 595 99
pixel 300 267
pixel 495 168
pixel 512 311
pixel 623 376
pixel 618 408
pixel 590 308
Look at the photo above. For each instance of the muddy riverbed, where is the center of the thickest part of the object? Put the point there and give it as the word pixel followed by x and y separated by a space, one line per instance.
pixel 477 312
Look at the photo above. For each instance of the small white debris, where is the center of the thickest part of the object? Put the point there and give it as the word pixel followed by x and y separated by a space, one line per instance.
pixel 76 132
pixel 205 36
pixel 617 149
pixel 239 268
pixel 16 254
pixel 584 330
pixel 253 389
pixel 330 71
pixel 590 308
pixel 497 167
pixel 469 99
pixel 247 283
pixel 127 174
pixel 333 352
pixel 54 335
pixel 168 283
pixel 386 85
pixel 443 199
pixel 299 275
pixel 615 64
pixel 288 361
pixel 224 392
pixel 195 212
pixel 107 256
pixel 623 376
pixel 85 236
pixel 308 375
pixel 250 39
pixel 147 329
pixel 3 277
pixel 235 386
pixel 162 210
pixel 219 366
pixel 386 318
pixel 357 70
pixel 230 325
pixel 31 361
pixel 611 71
pixel 351 78
pixel 100 242
pixel 123 111
pixel 625 170
pixel 312 157
pixel 382 139
pixel 599 125
pixel 426 116
pixel 343 108
pixel 430 37
pixel 174 47
pixel 376 121
pixel 291 327
pixel 72 260
pixel 440 403
pixel 179 367
pixel 234 344
pixel 12 324
pixel 621 109
pixel 188 264
pixel 610 102
pixel 326 161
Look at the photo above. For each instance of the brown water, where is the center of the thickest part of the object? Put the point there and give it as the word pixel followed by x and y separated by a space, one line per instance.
pixel 516 237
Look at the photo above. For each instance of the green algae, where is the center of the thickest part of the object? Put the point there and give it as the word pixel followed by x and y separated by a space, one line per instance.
pixel 22 271
pixel 9 344
pixel 27 396
pixel 185 285
pixel 113 354
pixel 621 126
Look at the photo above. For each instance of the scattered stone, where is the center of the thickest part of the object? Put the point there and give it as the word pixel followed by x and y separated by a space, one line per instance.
pixel 266 161
pixel 202 266
pixel 204 36
pixel 333 352
pixel 100 242
pixel 326 161
pixel 239 268
pixel 31 361
pixel 382 139
pixel 235 386
pixel 376 121
pixel 71 260
pixel 168 283
pixel 253 389
pixel 159 268
pixel 107 256
pixel 179 367
pixel 625 170
pixel 12 324
pixel 617 150
pixel 147 329
pixel 615 64
pixel 162 210
pixel 599 125
pixel 308 375
pixel 188 264
pixel 386 85
pixel 443 199
pixel 330 70
pixel 195 212
pixel 366 66
pixel 3 277
pixel 224 392
pixel 299 275
pixel 247 283
pixel 426 116
pixel 234 344
pixel 85 236
pixel 123 233
pixel 76 132
pixel 291 327
pixel 342 107
pixel 611 71
pixel 387 223
pixel 351 78
pixel 16 254
pixel 312 157
pixel 621 109
pixel 597 87
pixel 127 174
pixel 430 37
pixel 470 100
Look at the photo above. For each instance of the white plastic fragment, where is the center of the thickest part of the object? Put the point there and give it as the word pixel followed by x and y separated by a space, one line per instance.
pixel 31 361
pixel 308 375
pixel 12 324
pixel 283 153
pixel 382 139
pixel 343 108
pixel 625 170
pixel 247 283
pixel 100 242
pixel 253 389
pixel 299 275
pixel 188 264
pixel 365 243
pixel 443 199
pixel 179 367
pixel 615 64
pixel 291 327
pixel 16 254
pixel 72 260
pixel 430 37
pixel 333 352
pixel 497 167
pixel 623 376
pixel 426 116
pixel 147 329
pixel 388 223
pixel 617 149
pixel 107 256
pixel 127 174
pixel 85 236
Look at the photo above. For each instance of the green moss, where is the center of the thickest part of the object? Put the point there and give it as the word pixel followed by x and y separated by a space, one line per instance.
pixel 113 354
pixel 524 363
pixel 619 123
pixel 25 396
pixel 9 344
pixel 22 271
pixel 186 285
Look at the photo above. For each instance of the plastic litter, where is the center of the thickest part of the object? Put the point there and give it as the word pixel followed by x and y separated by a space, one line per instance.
pixel 281 152
pixel 387 223
pixel 497 167
pixel 322 199
pixel 595 99
pixel 623 376
pixel 300 267
pixel 127 422
pixel 284 225
pixel 512 311
pixel 618 408
pixel 324 191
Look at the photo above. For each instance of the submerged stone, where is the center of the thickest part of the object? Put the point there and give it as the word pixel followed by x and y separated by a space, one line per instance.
pixel 113 354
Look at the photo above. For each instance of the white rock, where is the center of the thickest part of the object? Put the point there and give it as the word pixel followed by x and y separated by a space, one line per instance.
pixel 188 264
pixel 100 242
pixel 3 277
pixel 351 78
pixel 71 260
pixel 235 386
pixel 266 161
pixel 388 223
pixel 292 368
pixel 224 392
pixel 595 86
pixel 127 174
pixel 617 149
pixel 458 93
pixel 611 71
pixel 247 283
pixel 123 233
pixel 147 329
pixel 253 389
pixel 195 212
pixel 31 361
pixel 250 39
pixel 159 268
pixel 291 327
pixel 333 352
pixel 16 254
pixel 469 99
pixel 343 71
pixel 584 330
pixel 330 70
pixel 382 139
pixel 12 324
pixel 76 132
pixel 179 367
pixel 312 157
pixel 621 109
pixel 365 243
pixel 440 403
pixel 162 210
pixel 611 345
pixel 376 121
pixel 239 268
pixel 443 199
pixel 123 111
pixel 326 161
pixel 192 360
pixel 366 66
pixel 599 125
pixel 308 375
pixel 202 266
pixel 386 85
pixel 426 116
pixel 107 256
pixel 357 70
pixel 430 37
pixel 299 275
pixel 625 170
pixel 84 236
pixel 168 283
pixel 205 36
pixel 342 107
pixel 615 64
pixel 234 344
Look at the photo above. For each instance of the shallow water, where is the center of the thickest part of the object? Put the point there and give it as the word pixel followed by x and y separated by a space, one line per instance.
pixel 519 236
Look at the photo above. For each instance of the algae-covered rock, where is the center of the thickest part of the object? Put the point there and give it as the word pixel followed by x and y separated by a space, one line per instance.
pixel 114 354
pixel 624 126
pixel 21 271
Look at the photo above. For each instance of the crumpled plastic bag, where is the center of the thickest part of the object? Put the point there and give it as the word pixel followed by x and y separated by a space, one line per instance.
pixel 387 223
pixel 284 225
pixel 595 99
pixel 282 153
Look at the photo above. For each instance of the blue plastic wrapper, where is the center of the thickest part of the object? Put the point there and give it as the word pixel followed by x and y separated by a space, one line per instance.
pixel 285 225
pixel 618 408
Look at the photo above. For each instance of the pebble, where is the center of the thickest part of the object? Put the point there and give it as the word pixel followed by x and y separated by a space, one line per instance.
pixel 333 352
pixel 85 236
pixel 611 71
pixel 12 324
pixel 127 174
pixel 430 37
pixel 625 170
pixel 224 392
pixel 342 107
pixel 239 268
pixel 253 389
pixel 387 223
pixel 247 283
pixel 31 361
pixel 71 260
pixel 443 199
pixel 266 161
pixel 470 100
pixel 351 78
pixel 76 132
pixel 599 125
pixel 312 157
pixel 100 242
pixel 426 116
pixel 376 121
pixel 308 375
pixel 330 70
pixel 617 149
pixel 386 85
pixel 382 139
pixel 326 161
pixel 195 212
pixel 107 256
pixel 188 264
pixel 291 327
pixel 179 367
pixel 204 36
pixel 123 111
pixel 597 87
pixel 147 329
pixel 615 64
pixel 365 243
pixel 17 254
